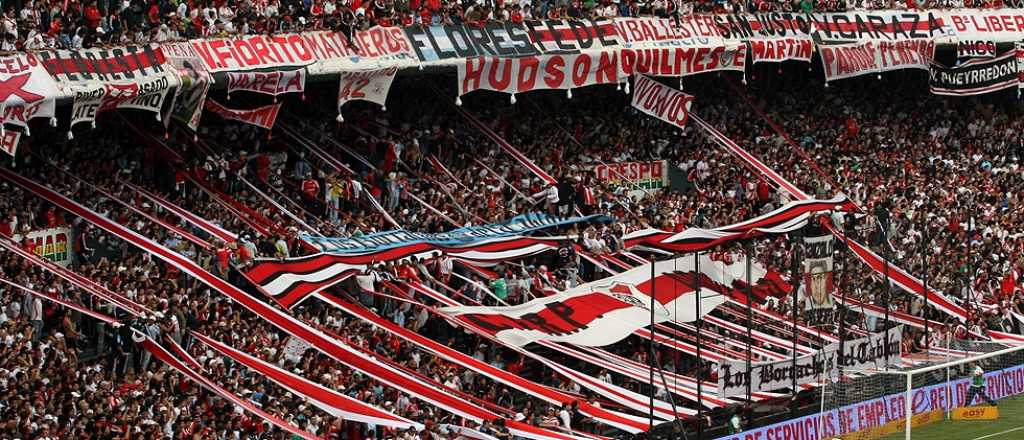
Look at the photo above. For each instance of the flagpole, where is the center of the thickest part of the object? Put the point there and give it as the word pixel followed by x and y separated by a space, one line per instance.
pixel 700 365
pixel 842 292
pixel 887 291
pixel 795 270
pixel 970 300
pixel 650 354
pixel 750 325
pixel 924 267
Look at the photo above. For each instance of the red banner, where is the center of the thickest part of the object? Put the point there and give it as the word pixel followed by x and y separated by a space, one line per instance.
pixel 261 117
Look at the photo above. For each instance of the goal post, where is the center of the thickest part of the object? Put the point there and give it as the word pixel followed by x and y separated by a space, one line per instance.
pixel 875 403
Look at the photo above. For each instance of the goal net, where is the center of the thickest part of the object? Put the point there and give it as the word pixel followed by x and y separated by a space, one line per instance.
pixel 872 404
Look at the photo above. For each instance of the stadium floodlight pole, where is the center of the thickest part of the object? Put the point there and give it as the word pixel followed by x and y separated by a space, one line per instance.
pixel 700 365
pixel 650 352
pixel 749 244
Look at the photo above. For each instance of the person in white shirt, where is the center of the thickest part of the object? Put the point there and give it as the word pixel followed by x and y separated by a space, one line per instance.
pixel 566 418
pixel 76 42
pixel 398 317
pixel 444 267
pixel 550 194
pixel 35 316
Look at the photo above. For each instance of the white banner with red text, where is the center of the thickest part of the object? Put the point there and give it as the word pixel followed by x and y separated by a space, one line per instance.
pixel 147 95
pixel 650 32
pixel 372 86
pixel 877 56
pixel 661 101
pixel 9 141
pixel 781 49
pixel 515 75
pixel 26 90
pixel 268 83
pixel 323 52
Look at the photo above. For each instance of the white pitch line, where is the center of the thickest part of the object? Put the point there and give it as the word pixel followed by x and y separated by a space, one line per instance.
pixel 1000 433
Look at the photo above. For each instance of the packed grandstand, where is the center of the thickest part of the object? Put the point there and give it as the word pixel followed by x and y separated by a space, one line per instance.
pixel 502 220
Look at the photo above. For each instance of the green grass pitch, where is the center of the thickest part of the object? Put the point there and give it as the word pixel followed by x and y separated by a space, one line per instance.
pixel 1010 426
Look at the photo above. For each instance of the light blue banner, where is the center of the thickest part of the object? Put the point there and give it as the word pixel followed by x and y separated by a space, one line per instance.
pixel 518 225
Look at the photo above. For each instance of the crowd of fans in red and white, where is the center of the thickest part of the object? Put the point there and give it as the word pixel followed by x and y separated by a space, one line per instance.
pixel 74 24
pixel 934 174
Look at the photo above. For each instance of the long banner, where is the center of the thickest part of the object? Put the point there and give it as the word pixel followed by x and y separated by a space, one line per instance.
pixel 518 225
pixel 528 39
pixel 834 27
pixel 975 77
pixel 523 74
pixel 858 354
pixel 791 216
pixel 292 280
pixel 875 413
pixel 135 77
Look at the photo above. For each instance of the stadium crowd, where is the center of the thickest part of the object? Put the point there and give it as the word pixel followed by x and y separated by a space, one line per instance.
pixel 932 175
pixel 90 23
